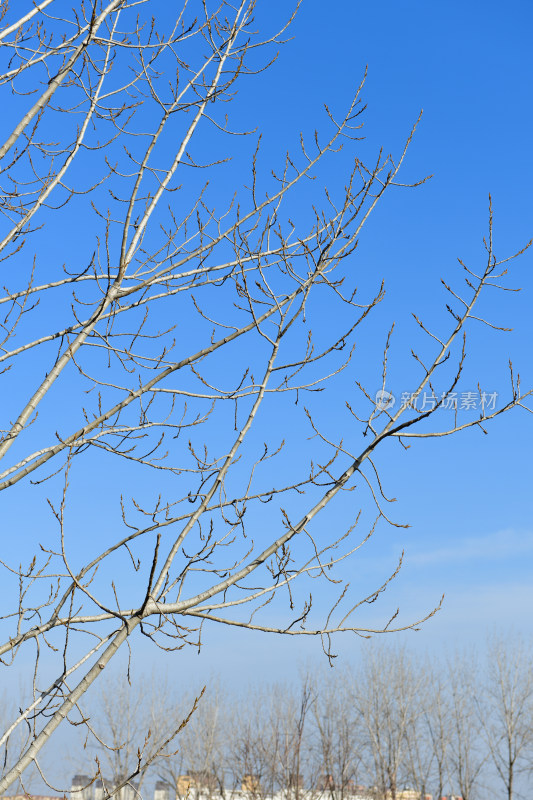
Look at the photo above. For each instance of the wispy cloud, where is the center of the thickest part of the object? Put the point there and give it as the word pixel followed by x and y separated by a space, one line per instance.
pixel 503 544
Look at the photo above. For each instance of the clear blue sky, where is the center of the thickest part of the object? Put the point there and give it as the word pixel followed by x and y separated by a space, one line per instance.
pixel 467 499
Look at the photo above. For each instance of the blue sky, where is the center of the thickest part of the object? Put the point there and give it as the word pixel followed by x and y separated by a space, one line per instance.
pixel 466 498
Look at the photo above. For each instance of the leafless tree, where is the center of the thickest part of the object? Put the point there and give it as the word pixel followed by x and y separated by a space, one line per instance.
pixel 466 753
pixel 120 721
pixel 269 744
pixel 156 347
pixel 505 707
pixel 200 752
pixel 421 758
pixel 252 751
pixel 293 711
pixel 132 730
pixel 437 723
pixel 387 694
pixel 338 732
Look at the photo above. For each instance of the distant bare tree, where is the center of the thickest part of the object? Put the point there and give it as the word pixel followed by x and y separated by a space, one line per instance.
pixel 120 719
pixel 252 750
pixel 155 323
pixel 467 752
pixel 132 730
pixel 203 743
pixel 505 707
pixel 422 760
pixel 293 710
pixel 437 722
pixel 338 735
pixel 270 741
pixel 193 764
pixel 387 694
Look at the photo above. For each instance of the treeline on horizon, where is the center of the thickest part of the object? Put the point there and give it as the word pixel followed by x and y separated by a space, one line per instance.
pixel 461 725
